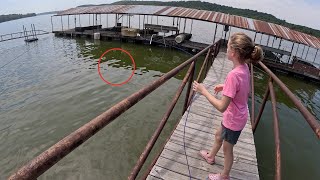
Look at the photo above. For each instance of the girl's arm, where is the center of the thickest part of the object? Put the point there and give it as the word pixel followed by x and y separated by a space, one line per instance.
pixel 221 105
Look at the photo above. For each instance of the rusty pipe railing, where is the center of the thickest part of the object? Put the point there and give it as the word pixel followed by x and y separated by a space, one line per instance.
pixel 156 134
pixel 264 101
pixel 314 124
pixel 55 153
pixel 252 94
pixel 200 73
pixel 276 132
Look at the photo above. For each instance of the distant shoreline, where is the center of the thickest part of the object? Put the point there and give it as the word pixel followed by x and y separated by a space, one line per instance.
pixel 10 17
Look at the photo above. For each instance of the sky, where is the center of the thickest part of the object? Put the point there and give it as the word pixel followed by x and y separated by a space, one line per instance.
pixel 302 12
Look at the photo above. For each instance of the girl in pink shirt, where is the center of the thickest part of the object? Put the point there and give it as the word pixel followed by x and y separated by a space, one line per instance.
pixel 233 104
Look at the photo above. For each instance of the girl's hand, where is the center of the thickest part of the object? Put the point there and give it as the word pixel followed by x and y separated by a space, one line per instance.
pixel 218 88
pixel 198 87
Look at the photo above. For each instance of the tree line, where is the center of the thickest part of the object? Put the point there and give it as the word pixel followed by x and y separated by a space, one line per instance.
pixel 9 17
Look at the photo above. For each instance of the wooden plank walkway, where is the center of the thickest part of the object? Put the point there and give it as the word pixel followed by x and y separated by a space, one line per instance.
pixel 203 121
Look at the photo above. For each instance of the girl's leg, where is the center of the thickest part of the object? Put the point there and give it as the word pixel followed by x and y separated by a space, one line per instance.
pixel 228 158
pixel 217 143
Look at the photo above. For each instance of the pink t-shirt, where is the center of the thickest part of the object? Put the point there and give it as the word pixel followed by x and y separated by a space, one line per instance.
pixel 237 87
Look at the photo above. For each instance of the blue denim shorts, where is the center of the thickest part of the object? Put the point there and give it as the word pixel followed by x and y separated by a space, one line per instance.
pixel 230 135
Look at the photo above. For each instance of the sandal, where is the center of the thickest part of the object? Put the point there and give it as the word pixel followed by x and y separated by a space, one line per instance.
pixel 217 177
pixel 205 155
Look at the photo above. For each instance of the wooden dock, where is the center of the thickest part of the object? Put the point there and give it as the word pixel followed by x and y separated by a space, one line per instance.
pixel 202 122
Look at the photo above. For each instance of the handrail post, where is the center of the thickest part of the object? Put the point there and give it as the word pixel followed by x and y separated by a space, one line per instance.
pixel 265 98
pixel 209 63
pixel 276 133
pixel 185 106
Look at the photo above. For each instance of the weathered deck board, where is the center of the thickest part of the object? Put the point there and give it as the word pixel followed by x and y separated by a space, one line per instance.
pixel 198 133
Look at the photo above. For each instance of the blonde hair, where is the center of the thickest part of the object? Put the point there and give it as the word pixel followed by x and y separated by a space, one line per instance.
pixel 246 48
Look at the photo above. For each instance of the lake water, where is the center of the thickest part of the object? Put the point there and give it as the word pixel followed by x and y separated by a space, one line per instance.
pixel 51 87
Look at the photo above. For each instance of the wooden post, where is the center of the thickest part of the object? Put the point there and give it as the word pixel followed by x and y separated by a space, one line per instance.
pixel 177 21
pixel 61 23
pixel 215 32
pixel 297 49
pixel 122 20
pixel 315 56
pixel 222 34
pixel 92 24
pixel 261 39
pixel 68 22
pixel 184 26
pixel 273 41
pixel 75 21
pixel 229 32
pixel 304 46
pixel 107 20
pixel 51 25
pixel 191 25
pixel 280 43
pixel 144 27
pixel 89 20
pixel 268 40
pixel 96 19
pixel 254 39
pixel 307 52
pixel 127 20
pixel 291 52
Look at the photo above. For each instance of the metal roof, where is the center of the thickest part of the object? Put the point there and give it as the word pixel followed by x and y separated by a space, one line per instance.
pixel 210 16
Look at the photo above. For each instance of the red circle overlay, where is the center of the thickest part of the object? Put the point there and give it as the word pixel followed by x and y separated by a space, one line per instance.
pixel 133 63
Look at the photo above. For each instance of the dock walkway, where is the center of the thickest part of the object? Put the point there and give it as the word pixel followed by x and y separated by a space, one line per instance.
pixel 202 122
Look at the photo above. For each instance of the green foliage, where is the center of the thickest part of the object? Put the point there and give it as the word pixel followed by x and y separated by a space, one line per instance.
pixel 228 10
pixel 9 17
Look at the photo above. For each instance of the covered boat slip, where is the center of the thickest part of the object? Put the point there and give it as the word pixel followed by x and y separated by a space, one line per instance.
pixel 196 129
pixel 285 45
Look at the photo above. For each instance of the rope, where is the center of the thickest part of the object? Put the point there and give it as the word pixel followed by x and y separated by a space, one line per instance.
pixel 18 56
pixel 184 135
pixel 194 97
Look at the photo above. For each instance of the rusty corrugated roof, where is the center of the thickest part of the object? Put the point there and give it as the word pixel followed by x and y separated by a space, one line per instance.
pixel 211 16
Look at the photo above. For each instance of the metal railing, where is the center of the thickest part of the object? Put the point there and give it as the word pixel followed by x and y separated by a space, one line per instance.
pixel 55 153
pixel 23 34
pixel 314 124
